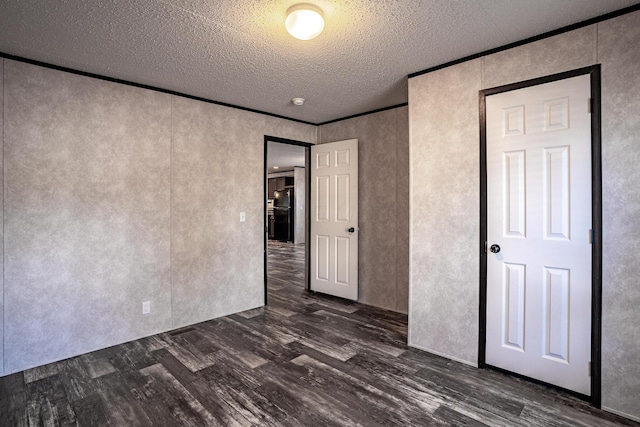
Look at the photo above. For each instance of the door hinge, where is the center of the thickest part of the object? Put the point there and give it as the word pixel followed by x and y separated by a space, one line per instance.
pixel 590 105
pixel 591 236
pixel 589 368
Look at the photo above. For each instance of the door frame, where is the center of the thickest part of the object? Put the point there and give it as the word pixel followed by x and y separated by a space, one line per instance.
pixel 307 201
pixel 596 212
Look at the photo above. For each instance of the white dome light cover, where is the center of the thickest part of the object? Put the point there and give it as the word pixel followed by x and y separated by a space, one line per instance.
pixel 304 21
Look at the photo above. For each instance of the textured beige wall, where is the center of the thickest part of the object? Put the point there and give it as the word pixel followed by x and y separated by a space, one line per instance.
pixel 280 128
pixel 113 198
pixel 619 53
pixel 402 210
pixel 86 214
pixel 445 265
pixel 300 215
pixel 1 207
pixel 445 194
pixel 214 179
pixel 381 141
pixel 564 52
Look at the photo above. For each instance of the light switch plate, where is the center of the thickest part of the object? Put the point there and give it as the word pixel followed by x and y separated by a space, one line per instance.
pixel 146 307
pixel 243 217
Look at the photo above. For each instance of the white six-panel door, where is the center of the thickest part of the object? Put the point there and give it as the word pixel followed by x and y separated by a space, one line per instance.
pixel 539 214
pixel 334 218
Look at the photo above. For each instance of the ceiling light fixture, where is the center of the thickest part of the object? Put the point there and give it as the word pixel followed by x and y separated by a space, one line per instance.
pixel 304 21
pixel 298 101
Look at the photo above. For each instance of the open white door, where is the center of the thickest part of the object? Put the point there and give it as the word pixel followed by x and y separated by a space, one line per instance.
pixel 334 219
pixel 538 230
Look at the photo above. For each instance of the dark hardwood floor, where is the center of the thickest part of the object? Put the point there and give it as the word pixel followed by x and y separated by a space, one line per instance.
pixel 304 359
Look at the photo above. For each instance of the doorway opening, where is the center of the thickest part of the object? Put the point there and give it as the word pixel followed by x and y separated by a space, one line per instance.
pixel 286 212
pixel 528 190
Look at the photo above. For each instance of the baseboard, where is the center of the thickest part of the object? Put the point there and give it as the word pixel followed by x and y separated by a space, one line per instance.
pixel 622 414
pixel 383 308
pixel 446 356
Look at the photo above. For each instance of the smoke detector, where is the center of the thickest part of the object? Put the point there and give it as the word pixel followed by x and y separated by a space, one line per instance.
pixel 298 101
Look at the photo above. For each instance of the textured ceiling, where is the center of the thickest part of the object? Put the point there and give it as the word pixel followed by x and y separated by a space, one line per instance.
pixel 284 156
pixel 238 51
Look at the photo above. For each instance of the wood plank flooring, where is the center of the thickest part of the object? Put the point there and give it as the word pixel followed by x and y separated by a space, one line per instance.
pixel 303 360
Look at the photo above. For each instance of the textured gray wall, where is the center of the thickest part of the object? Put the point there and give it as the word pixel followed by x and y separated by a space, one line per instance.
pixel 443 316
pixel 113 198
pixel 1 207
pixel 619 53
pixel 383 143
pixel 86 214
pixel 214 179
pixel 300 215
pixel 568 51
pixel 274 126
pixel 402 210
pixel 444 215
